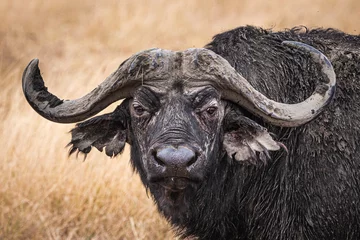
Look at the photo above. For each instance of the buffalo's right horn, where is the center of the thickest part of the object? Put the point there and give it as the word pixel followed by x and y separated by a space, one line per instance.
pixel 118 85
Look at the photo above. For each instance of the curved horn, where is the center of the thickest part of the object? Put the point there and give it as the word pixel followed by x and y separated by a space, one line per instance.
pixel 118 85
pixel 196 67
pixel 218 72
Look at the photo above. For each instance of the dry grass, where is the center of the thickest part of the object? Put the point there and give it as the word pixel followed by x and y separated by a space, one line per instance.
pixel 43 193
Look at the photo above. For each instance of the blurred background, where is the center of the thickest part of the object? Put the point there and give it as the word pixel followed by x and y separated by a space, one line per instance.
pixel 44 194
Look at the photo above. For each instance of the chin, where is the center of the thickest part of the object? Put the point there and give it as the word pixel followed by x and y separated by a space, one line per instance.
pixel 173 197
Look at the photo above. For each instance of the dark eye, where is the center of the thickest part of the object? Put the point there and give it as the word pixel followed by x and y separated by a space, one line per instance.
pixel 138 109
pixel 211 110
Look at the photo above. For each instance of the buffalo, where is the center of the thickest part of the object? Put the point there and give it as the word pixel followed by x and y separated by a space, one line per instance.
pixel 254 136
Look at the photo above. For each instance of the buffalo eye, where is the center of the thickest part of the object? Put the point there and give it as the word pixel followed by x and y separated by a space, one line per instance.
pixel 211 110
pixel 138 109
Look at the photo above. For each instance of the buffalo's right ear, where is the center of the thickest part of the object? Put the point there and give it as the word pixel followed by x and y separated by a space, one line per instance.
pixel 108 131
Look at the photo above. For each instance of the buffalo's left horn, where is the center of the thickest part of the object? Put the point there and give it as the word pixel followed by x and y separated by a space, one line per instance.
pixel 216 71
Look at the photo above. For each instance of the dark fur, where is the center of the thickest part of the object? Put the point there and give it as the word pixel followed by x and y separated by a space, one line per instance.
pixel 313 191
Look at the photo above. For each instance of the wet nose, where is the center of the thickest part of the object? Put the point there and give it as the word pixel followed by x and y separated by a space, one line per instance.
pixel 175 157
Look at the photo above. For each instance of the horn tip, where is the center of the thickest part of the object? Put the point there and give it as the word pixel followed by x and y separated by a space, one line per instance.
pixel 32 75
pixel 32 66
pixel 35 61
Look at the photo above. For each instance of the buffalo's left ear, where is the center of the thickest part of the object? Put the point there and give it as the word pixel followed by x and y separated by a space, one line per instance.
pixel 245 140
pixel 108 131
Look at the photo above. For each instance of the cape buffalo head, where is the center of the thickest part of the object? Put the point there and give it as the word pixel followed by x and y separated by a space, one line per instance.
pixel 183 111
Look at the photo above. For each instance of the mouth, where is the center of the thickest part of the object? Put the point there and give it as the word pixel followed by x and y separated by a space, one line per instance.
pixel 173 192
pixel 174 188
pixel 174 184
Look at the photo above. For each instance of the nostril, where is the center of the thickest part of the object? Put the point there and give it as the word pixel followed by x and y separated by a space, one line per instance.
pixel 156 158
pixel 192 160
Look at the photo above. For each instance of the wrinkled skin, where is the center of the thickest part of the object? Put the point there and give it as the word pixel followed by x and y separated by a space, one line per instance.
pixel 177 118
pixel 216 172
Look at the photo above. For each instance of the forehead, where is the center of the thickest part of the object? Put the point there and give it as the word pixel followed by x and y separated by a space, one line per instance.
pixel 177 89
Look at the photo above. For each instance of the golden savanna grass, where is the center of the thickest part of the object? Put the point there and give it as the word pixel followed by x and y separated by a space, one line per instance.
pixel 43 193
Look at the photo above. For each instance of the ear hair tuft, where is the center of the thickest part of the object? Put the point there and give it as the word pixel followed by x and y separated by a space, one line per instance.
pixel 250 142
pixel 107 132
